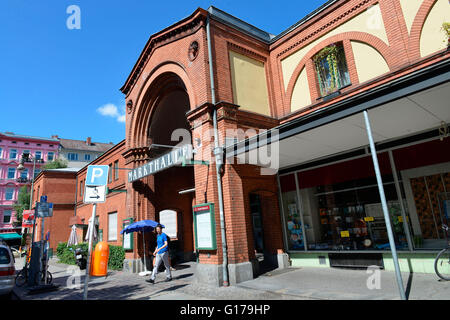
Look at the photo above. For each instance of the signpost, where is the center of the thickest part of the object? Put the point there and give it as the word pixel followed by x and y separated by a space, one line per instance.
pixel 94 192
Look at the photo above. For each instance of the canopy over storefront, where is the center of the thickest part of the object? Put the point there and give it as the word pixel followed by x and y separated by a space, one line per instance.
pixel 10 236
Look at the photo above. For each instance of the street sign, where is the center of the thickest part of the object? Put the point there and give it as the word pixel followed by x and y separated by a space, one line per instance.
pixel 97 176
pixel 94 194
pixel 42 209
pixel 43 198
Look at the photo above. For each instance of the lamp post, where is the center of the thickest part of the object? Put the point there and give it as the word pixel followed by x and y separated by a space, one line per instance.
pixel 21 167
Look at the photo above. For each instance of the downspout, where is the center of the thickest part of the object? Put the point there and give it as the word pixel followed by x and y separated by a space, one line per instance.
pixel 218 152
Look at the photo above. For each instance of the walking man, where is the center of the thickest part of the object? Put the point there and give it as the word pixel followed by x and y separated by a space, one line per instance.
pixel 162 254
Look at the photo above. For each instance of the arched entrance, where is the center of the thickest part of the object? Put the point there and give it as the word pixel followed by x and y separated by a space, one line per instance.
pixel 161 114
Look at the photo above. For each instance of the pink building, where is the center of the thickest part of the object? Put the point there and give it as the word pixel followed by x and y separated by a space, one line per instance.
pixel 12 146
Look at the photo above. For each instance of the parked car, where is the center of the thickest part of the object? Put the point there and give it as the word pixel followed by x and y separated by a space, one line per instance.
pixel 7 270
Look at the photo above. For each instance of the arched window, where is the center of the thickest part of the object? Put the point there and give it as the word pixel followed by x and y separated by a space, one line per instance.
pixel 331 69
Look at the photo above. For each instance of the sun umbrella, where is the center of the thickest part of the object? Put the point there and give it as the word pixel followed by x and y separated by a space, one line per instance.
pixel 89 231
pixel 144 226
pixel 73 239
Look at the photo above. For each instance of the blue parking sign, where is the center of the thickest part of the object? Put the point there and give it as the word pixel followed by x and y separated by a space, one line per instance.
pixel 97 176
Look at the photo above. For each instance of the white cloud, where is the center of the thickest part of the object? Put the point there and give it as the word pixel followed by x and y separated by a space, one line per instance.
pixel 111 110
pixel 121 118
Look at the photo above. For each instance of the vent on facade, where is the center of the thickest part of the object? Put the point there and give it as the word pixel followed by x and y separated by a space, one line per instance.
pixel 27 143
pixel 38 144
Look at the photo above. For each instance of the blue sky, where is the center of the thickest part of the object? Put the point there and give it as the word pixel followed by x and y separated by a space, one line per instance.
pixel 54 80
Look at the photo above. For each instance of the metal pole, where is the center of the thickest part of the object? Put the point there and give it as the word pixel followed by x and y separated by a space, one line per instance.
pixel 145 258
pixel 88 264
pixel 384 205
pixel 31 199
pixel 400 200
pixel 218 155
pixel 41 256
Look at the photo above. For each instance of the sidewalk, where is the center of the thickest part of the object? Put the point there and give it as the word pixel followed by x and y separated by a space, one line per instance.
pixel 287 284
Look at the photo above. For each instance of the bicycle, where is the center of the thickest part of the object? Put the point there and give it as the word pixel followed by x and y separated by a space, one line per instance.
pixel 22 276
pixel 442 261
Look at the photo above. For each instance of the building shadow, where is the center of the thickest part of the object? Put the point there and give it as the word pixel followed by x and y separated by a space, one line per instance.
pixel 410 279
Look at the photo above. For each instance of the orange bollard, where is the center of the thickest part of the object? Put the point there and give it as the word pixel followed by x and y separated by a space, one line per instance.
pixel 100 258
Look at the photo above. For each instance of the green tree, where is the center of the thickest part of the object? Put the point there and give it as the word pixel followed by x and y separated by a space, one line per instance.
pixel 22 203
pixel 55 164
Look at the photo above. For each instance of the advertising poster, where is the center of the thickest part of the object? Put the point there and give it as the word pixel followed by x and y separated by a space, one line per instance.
pixel 28 218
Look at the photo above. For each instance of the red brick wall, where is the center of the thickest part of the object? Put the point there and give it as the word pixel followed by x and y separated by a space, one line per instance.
pixel 59 187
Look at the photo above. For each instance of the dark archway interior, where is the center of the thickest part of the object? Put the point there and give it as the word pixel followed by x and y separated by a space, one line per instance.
pixel 170 107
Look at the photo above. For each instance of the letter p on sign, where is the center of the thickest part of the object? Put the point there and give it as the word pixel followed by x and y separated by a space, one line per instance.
pixel 97 176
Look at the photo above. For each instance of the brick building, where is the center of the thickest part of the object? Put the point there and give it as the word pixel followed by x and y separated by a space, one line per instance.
pixel 64 188
pixel 299 183
pixel 59 187
pixel 311 86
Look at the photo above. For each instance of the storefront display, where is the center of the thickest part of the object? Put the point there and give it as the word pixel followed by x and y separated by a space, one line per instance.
pixel 345 214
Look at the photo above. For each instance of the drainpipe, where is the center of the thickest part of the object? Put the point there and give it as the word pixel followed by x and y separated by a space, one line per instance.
pixel 218 152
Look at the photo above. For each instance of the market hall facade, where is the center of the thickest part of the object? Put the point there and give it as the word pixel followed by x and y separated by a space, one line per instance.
pixel 307 95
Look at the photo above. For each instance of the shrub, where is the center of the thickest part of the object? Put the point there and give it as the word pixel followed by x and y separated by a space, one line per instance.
pixel 66 255
pixel 116 257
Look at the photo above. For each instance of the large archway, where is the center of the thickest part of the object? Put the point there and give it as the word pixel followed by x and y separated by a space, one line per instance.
pixel 163 113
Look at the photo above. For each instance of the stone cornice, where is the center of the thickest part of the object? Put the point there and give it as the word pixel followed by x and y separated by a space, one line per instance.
pixel 177 31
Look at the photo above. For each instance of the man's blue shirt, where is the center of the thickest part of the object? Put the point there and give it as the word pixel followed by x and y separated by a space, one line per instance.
pixel 160 239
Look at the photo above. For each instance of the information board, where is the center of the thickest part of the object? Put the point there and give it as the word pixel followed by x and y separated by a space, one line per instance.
pixel 127 237
pixel 168 218
pixel 205 227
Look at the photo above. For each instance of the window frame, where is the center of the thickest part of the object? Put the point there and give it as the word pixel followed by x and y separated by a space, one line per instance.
pixel 110 225
pixel 341 79
pixel 11 152
pixel 10 216
pixel 116 170
pixel 12 193
pixel 9 170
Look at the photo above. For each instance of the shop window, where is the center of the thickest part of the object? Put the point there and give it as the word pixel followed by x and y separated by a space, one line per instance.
pixel 112 226
pixel 338 207
pixel 7 216
pixel 331 69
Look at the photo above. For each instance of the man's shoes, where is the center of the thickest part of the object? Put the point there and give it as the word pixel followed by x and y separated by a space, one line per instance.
pixel 151 281
pixel 168 279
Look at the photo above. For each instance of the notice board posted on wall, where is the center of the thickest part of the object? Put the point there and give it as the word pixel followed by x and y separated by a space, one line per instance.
pixel 168 218
pixel 127 237
pixel 204 227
